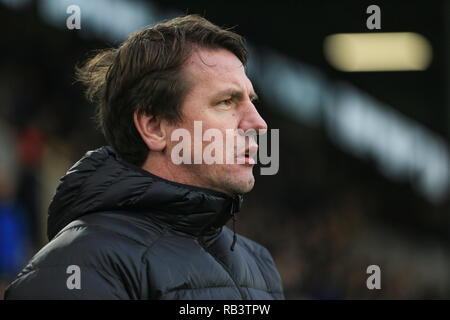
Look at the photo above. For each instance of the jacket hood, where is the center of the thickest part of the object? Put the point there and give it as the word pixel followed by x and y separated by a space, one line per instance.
pixel 102 182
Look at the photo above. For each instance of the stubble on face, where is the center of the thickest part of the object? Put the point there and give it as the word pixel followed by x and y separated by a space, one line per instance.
pixel 209 74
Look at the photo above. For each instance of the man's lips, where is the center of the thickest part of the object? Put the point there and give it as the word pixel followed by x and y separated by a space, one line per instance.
pixel 248 156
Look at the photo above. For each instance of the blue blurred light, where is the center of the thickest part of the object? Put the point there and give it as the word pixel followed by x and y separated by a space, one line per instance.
pixel 12 240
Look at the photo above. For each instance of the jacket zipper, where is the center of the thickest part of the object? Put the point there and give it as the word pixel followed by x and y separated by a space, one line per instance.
pixel 225 268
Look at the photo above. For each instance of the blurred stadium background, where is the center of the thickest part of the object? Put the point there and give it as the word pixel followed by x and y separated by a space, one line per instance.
pixel 364 174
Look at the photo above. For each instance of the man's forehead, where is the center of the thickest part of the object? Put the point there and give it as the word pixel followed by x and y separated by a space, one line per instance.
pixel 218 66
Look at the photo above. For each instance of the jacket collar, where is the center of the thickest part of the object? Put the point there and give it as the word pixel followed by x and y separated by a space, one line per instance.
pixel 190 209
pixel 101 182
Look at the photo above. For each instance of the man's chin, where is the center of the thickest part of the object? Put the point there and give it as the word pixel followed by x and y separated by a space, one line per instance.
pixel 241 185
pixel 244 189
pixel 230 179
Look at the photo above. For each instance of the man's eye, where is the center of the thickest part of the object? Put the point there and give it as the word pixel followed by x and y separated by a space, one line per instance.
pixel 227 102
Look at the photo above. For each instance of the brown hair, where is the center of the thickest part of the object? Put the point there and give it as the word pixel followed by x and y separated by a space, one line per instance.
pixel 145 74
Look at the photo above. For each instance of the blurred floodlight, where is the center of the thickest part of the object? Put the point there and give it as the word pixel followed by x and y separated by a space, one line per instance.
pixel 111 19
pixel 389 51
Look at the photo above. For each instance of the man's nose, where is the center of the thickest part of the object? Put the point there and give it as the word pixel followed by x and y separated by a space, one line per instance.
pixel 252 120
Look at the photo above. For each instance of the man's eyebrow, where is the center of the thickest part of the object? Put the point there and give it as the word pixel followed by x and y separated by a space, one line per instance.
pixel 236 93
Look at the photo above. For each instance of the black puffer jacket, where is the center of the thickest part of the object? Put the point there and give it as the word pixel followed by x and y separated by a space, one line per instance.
pixel 134 235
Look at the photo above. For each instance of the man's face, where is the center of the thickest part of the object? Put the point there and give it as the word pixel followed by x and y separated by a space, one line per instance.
pixel 220 97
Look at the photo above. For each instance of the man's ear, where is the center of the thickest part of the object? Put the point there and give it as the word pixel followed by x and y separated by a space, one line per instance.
pixel 151 129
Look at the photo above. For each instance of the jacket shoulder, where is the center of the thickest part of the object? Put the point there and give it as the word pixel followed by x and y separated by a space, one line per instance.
pixel 106 250
pixel 128 225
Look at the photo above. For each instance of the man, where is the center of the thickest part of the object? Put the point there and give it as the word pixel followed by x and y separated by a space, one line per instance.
pixel 127 222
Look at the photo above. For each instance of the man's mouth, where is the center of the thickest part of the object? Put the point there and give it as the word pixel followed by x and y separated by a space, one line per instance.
pixel 248 156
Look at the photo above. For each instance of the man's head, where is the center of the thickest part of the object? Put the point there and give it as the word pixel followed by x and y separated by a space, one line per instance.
pixel 166 77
